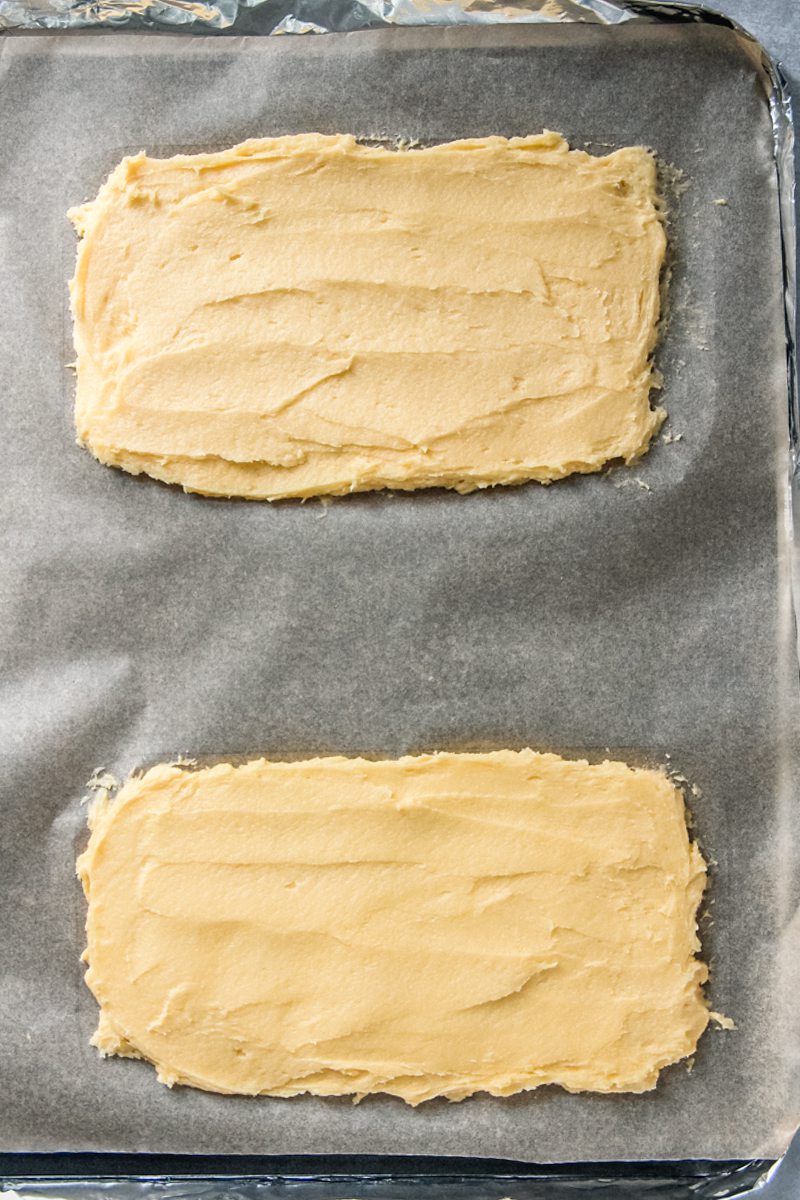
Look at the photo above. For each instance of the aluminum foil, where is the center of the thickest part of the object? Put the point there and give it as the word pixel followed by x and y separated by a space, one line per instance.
pixel 303 16
pixel 713 1183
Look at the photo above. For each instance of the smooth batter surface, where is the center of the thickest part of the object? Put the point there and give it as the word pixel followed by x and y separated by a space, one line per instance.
pixel 306 315
pixel 431 926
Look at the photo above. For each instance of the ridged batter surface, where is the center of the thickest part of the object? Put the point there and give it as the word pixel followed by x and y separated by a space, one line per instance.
pixel 431 926
pixel 306 315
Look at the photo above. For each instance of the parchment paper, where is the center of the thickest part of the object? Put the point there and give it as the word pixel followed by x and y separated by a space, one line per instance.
pixel 645 610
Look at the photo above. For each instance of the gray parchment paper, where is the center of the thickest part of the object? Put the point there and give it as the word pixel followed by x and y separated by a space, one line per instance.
pixel 645 610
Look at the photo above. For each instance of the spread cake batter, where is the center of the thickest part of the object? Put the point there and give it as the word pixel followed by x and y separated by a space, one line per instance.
pixel 306 315
pixel 428 926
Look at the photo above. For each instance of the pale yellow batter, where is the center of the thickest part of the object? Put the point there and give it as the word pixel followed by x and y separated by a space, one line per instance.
pixel 306 315
pixel 430 926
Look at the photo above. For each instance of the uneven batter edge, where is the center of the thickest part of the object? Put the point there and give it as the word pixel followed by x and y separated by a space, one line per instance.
pixel 429 926
pixel 307 315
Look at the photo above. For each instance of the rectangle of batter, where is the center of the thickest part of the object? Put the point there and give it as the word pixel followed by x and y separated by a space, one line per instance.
pixel 430 926
pixel 306 315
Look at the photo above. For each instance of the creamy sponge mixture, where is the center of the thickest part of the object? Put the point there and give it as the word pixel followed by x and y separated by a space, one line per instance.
pixel 428 926
pixel 306 315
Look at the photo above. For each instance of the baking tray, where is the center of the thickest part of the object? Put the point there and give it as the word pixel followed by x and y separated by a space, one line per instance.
pixel 643 610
